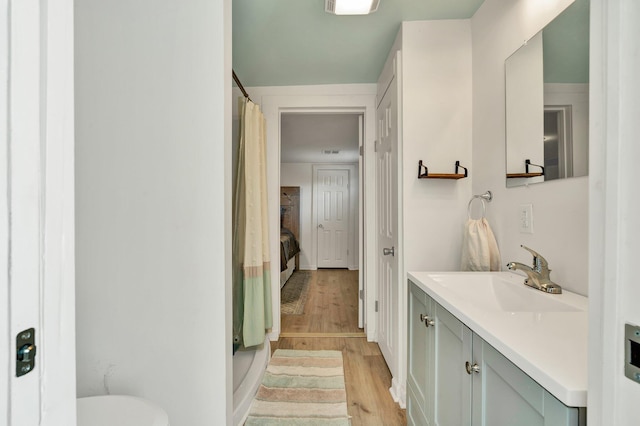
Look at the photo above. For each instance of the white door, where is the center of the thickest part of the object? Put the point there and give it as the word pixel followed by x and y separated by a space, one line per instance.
pixel 37 366
pixel 387 223
pixel 332 201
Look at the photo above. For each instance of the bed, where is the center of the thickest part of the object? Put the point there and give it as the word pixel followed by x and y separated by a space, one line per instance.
pixel 289 231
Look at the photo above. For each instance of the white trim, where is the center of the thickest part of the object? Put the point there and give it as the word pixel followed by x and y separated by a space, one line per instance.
pixel 613 208
pixel 334 98
pixel 5 340
pixel 38 161
pixel 361 219
pixel 398 392
pixel 58 381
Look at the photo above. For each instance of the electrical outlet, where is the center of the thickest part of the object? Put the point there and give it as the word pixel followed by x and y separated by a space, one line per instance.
pixel 525 218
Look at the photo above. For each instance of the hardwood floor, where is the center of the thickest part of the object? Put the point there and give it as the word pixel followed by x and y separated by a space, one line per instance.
pixel 331 311
pixel 332 305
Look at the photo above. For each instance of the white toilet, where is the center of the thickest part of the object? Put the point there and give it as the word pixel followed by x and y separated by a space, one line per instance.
pixel 119 410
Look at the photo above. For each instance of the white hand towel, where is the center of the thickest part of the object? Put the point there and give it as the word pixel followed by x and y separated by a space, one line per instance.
pixel 479 249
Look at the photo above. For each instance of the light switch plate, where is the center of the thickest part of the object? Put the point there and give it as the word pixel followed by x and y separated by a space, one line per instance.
pixel 525 218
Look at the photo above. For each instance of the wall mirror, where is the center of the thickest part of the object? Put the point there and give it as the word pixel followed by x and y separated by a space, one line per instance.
pixel 547 102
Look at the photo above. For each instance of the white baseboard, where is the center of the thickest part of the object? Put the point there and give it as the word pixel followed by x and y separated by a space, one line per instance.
pixel 398 393
pixel 353 268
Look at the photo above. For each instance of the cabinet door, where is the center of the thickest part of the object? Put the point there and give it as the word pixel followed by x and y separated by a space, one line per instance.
pixel 420 362
pixel 503 395
pixel 452 384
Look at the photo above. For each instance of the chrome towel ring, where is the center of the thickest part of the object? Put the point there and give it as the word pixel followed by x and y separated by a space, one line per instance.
pixel 487 196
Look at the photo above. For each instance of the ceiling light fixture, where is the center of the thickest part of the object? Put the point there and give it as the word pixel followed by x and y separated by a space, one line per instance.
pixel 351 7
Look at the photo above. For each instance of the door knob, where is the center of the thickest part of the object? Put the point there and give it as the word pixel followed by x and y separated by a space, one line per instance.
pixel 389 251
pixel 321 226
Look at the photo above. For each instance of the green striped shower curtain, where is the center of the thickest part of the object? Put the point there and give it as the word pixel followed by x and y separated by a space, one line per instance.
pixel 252 312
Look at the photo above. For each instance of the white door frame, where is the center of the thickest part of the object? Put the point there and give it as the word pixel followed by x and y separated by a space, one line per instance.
pixel 353 205
pixel 329 99
pixel 613 208
pixel 37 180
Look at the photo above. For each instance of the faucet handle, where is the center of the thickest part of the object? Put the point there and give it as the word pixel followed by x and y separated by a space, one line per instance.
pixel 539 262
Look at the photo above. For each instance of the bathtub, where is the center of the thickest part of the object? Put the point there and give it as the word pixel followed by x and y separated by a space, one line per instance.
pixel 248 368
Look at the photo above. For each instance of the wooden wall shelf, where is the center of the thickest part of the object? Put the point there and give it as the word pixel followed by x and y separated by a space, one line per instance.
pixel 523 175
pixel 423 172
pixel 527 173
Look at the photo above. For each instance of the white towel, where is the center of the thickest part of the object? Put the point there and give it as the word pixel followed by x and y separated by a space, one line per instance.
pixel 479 249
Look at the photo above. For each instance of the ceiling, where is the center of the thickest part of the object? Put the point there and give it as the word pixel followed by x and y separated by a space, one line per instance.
pixel 305 137
pixel 295 42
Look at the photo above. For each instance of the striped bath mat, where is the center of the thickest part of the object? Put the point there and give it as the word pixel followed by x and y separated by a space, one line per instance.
pixel 301 388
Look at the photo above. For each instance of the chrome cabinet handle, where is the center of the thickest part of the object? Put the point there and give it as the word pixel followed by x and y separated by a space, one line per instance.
pixel 475 368
pixel 389 251
pixel 427 320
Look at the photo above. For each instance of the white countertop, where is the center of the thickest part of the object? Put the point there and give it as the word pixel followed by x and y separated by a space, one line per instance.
pixel 550 347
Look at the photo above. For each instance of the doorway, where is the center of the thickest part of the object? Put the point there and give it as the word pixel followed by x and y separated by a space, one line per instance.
pixel 558 142
pixel 320 156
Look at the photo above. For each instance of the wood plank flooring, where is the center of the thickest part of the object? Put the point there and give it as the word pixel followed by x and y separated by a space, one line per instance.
pixel 332 304
pixel 330 321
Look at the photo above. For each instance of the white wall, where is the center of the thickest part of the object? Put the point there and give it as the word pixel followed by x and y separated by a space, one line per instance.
pixel 153 87
pixel 560 207
pixel 435 116
pixel 436 128
pixel 524 102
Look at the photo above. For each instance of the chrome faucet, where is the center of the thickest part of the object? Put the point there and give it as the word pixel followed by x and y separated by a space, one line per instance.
pixel 538 275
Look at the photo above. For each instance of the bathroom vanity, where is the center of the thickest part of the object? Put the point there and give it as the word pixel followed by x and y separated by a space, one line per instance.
pixel 483 349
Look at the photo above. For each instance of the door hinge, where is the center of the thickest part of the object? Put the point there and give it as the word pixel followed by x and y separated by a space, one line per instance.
pixel 376 306
pixel 361 150
pixel 375 146
pixel 361 294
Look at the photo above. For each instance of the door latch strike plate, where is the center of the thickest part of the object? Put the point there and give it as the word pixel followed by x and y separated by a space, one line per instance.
pixel 25 352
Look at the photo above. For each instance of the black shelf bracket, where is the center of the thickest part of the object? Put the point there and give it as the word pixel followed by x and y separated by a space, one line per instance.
pixel 463 167
pixel 528 163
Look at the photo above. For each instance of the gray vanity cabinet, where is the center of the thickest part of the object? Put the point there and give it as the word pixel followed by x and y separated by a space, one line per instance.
pixel 504 395
pixel 456 378
pixel 420 370
pixel 438 345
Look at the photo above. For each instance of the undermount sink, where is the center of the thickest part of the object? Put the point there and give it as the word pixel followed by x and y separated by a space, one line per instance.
pixel 502 291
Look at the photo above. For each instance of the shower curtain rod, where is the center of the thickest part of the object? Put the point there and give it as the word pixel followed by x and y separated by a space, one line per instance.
pixel 240 86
